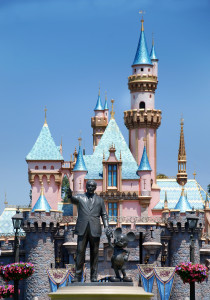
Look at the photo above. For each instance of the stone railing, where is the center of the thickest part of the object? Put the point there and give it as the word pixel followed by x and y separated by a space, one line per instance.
pixel 145 193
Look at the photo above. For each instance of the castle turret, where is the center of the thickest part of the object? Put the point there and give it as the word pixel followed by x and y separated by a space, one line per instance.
pixel 154 59
pixel 144 171
pixel 106 109
pixel 183 204
pixel 80 171
pixel 142 120
pixel 44 165
pixel 99 121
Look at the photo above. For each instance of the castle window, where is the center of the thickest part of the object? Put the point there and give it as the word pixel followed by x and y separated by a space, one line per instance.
pixel 112 175
pixel 36 168
pixel 134 71
pixel 133 96
pixel 142 69
pixel 112 210
pixel 52 167
pixel 142 105
pixel 44 167
pixel 148 70
pixel 150 96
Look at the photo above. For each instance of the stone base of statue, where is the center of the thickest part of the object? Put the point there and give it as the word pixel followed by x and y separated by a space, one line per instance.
pixel 101 291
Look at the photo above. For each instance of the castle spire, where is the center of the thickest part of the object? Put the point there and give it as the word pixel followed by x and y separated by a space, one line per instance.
pixel 106 104
pixel 182 175
pixel 80 163
pixel 99 105
pixel 142 55
pixel 153 55
pixel 144 164
pixel 45 118
pixel 41 203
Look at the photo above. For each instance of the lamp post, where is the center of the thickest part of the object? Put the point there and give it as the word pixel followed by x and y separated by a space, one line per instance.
pixel 17 220
pixel 192 220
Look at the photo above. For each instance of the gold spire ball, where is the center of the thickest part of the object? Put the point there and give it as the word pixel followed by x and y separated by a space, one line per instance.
pixel 181 177
pixel 142 19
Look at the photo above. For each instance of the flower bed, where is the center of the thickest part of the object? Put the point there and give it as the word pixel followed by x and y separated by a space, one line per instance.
pixel 6 291
pixel 16 271
pixel 190 272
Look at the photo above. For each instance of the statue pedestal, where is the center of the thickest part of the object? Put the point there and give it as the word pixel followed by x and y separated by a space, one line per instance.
pixel 101 291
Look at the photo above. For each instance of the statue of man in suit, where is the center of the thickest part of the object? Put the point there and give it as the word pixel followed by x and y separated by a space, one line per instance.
pixel 88 228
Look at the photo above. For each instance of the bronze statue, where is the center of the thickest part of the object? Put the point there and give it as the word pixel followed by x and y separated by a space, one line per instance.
pixel 88 228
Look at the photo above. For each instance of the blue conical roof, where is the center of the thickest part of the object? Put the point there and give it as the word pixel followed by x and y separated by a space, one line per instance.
pixel 42 203
pixel 44 147
pixel 183 204
pixel 106 104
pixel 144 164
pixel 80 163
pixel 99 105
pixel 153 55
pixel 142 55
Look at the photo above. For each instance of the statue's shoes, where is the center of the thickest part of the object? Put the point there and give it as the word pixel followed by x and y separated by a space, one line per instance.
pixel 115 279
pixel 127 279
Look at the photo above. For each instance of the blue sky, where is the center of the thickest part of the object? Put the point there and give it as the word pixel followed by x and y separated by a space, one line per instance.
pixel 55 53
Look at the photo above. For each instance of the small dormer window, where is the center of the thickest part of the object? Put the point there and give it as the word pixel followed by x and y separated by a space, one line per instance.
pixel 149 70
pixel 142 69
pixel 44 167
pixel 112 175
pixel 52 167
pixel 36 168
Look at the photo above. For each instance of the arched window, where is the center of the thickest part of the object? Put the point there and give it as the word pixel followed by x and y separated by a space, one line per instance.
pixel 52 167
pixel 44 167
pixel 36 168
pixel 142 105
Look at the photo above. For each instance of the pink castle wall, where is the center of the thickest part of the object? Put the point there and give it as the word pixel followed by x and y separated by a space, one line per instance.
pixel 131 209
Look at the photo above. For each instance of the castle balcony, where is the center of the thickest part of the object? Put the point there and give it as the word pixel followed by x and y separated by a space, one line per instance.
pixel 142 83
pixel 66 165
pixel 150 118
pixel 145 197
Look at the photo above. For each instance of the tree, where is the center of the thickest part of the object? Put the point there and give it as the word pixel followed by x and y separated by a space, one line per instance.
pixel 161 176
pixel 64 188
pixel 208 188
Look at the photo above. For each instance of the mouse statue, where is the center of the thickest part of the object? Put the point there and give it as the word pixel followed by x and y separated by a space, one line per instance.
pixel 120 255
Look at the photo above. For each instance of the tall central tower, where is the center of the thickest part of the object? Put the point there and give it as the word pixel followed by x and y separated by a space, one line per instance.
pixel 142 120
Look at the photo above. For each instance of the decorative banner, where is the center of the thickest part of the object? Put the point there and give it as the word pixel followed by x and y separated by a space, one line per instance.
pixel 147 276
pixel 164 277
pixel 57 277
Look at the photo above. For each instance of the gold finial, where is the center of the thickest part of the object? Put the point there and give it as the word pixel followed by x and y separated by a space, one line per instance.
pixel 112 112
pixel 45 119
pixel 153 39
pixel 194 174
pixel 182 194
pixel 165 201
pixel 5 199
pixel 106 95
pixel 42 189
pixel 142 20
pixel 79 139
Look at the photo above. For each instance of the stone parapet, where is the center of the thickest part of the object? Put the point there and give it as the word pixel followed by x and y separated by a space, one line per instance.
pixel 150 118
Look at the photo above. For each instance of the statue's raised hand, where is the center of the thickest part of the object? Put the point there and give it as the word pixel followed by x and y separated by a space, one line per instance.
pixel 69 194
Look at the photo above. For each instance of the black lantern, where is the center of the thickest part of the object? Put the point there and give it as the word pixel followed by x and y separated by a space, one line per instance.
pixel 17 220
pixel 192 220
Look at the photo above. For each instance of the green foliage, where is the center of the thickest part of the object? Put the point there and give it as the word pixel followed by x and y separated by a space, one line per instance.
pixel 65 188
pixel 161 176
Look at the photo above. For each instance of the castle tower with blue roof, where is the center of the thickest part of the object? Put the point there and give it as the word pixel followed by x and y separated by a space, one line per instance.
pixel 100 120
pixel 44 164
pixel 142 120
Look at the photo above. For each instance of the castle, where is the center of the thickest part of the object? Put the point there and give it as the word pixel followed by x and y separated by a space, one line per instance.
pixel 126 175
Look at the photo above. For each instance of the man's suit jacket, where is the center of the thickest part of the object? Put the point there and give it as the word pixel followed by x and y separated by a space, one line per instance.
pixel 90 214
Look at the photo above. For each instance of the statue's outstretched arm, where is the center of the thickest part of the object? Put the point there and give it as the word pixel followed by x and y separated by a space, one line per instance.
pixel 71 198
